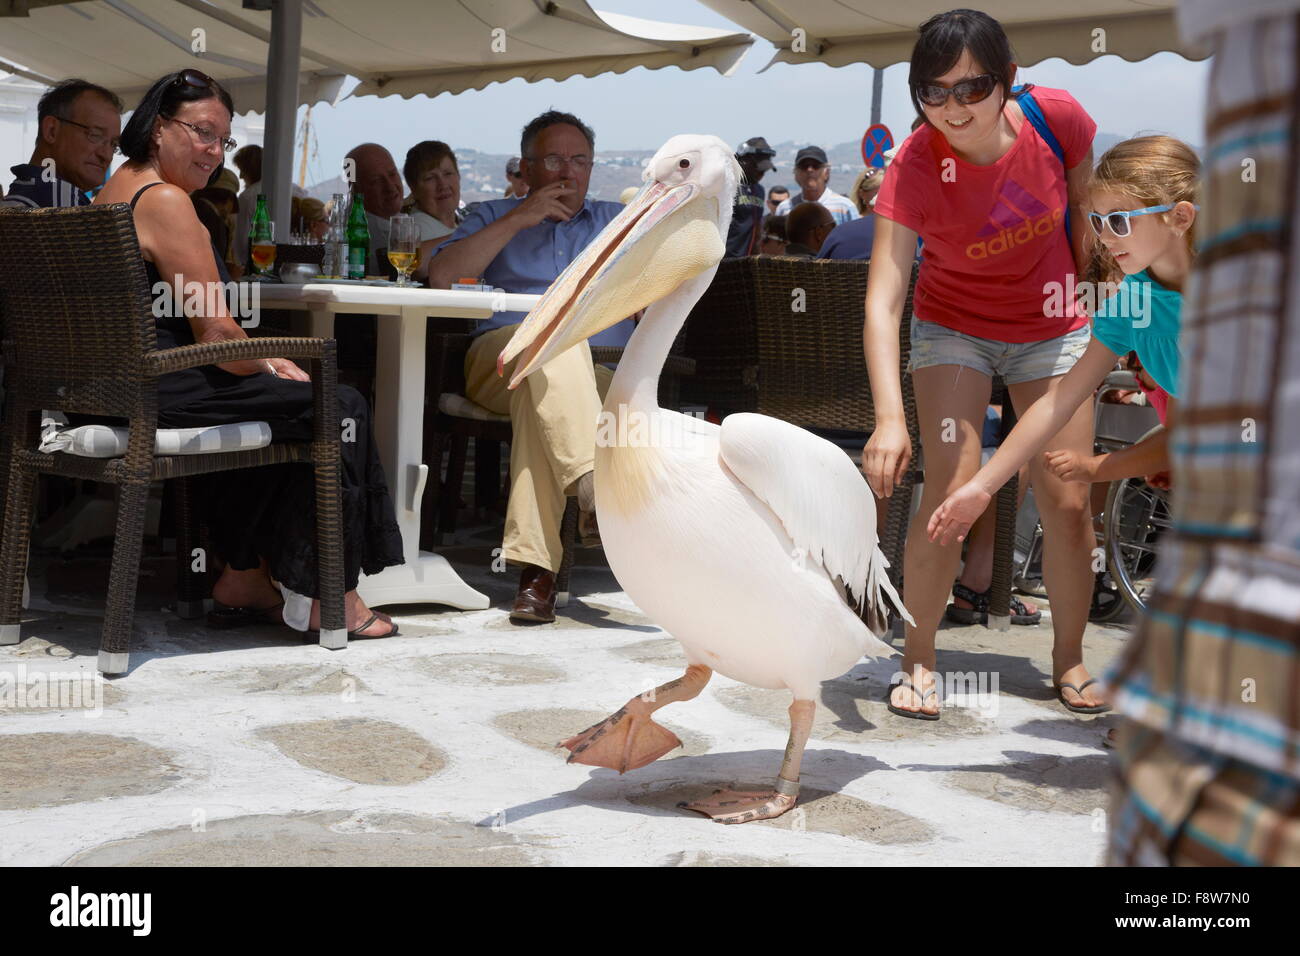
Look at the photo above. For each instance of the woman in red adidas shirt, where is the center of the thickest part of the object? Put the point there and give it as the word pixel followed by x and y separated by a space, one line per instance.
pixel 988 197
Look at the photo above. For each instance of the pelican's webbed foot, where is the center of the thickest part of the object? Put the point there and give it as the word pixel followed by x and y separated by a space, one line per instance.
pixel 629 738
pixel 744 806
pixel 623 741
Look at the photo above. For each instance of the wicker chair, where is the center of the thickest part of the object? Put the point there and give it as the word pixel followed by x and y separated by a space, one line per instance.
pixel 82 339
pixel 720 336
pixel 757 353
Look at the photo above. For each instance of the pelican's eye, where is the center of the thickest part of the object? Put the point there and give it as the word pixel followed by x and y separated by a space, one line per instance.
pixel 684 163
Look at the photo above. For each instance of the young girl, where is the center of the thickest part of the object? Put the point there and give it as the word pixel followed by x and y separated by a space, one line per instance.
pixel 1143 197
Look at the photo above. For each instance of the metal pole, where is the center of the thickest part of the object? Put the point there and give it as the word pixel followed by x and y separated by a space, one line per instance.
pixel 877 85
pixel 282 64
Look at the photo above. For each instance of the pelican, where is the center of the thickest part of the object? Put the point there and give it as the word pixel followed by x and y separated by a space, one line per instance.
pixel 753 543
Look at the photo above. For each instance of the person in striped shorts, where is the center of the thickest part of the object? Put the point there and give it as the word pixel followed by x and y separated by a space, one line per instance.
pixel 1209 756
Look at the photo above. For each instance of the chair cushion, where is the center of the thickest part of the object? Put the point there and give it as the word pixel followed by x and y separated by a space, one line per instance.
pixel 109 441
pixel 458 406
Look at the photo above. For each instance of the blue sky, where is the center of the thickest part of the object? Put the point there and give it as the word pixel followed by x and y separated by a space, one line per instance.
pixel 808 103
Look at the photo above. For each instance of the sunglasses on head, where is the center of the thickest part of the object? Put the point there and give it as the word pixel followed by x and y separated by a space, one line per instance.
pixel 1118 221
pixel 970 91
pixel 195 78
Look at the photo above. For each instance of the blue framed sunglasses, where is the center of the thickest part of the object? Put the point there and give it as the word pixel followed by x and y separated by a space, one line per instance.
pixel 1119 220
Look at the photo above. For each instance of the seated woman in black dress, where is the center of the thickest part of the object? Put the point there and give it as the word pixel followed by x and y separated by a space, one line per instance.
pixel 262 520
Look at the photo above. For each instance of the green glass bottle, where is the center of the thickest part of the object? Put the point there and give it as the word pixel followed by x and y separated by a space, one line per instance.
pixel 261 243
pixel 358 238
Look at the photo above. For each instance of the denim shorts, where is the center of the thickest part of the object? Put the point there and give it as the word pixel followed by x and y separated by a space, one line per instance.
pixel 935 344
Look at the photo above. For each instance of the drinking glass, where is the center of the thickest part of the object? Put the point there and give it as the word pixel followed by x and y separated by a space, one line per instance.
pixel 403 247
pixel 262 245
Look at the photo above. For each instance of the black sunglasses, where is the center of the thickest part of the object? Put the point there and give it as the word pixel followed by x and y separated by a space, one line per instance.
pixel 195 78
pixel 970 91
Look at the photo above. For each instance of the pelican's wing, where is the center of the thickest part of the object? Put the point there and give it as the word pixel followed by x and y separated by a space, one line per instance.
pixel 822 501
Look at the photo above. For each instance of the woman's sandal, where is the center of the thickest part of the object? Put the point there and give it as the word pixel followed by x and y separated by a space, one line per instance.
pixel 1079 708
pixel 223 617
pixel 914 714
pixel 978 613
pixel 356 633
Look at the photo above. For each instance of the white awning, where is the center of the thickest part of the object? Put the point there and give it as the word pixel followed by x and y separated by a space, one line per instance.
pixel 402 47
pixel 883 32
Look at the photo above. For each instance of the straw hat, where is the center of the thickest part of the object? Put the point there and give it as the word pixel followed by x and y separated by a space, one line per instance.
pixel 308 209
pixel 228 180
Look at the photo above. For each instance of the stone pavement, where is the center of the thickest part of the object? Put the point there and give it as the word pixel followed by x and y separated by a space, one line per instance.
pixel 437 746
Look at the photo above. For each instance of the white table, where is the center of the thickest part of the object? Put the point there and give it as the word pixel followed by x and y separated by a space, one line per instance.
pixel 425 578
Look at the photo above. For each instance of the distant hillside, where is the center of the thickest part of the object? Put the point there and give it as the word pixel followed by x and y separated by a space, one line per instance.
pixel 483 175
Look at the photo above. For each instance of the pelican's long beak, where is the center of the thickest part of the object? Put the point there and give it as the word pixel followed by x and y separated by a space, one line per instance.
pixel 664 236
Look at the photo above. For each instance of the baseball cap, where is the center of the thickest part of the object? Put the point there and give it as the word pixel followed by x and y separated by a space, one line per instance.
pixel 811 152
pixel 757 146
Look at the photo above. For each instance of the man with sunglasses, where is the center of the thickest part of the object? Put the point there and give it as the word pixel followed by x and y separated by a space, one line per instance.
pixel 745 234
pixel 522 245
pixel 812 171
pixel 78 125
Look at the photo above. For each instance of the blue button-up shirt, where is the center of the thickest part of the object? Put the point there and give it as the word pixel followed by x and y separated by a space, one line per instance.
pixel 530 261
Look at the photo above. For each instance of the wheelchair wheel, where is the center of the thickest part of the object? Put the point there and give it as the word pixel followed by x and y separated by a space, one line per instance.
pixel 1108 603
pixel 1136 517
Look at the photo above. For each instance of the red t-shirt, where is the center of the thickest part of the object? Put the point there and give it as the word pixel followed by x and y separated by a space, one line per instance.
pixel 994 235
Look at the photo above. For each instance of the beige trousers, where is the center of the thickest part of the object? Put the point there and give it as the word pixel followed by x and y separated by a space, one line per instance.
pixel 553 413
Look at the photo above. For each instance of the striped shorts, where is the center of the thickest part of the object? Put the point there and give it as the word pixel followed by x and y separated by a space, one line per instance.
pixel 1209 758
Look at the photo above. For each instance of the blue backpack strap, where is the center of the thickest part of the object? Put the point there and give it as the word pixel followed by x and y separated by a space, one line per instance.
pixel 1034 113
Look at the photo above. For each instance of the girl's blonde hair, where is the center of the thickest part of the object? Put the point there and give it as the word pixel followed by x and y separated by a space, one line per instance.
pixel 1153 171
pixel 869 173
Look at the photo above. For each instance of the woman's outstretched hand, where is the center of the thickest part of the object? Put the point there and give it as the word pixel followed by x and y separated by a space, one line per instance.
pixel 961 509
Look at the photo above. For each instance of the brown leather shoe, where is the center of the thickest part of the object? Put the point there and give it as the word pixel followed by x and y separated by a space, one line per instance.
pixel 535 600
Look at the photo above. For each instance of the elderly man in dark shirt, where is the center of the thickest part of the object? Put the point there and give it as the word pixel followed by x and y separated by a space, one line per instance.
pixel 78 125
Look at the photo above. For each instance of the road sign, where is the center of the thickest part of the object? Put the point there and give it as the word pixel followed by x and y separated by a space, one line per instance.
pixel 874 143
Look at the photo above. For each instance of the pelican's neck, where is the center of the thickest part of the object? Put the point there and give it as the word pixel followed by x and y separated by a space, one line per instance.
pixel 636 382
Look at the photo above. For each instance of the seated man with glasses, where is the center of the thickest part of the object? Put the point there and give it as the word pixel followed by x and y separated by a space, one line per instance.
pixel 522 245
pixel 78 125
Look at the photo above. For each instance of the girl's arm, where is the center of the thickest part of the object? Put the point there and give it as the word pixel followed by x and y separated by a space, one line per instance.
pixel 889 451
pixel 1148 457
pixel 1040 422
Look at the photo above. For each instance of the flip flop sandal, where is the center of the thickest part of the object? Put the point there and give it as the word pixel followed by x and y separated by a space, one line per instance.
pixel 223 617
pixel 1078 708
pixel 913 714
pixel 356 634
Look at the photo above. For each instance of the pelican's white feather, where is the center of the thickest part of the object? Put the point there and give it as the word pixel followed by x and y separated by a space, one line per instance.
pixel 820 499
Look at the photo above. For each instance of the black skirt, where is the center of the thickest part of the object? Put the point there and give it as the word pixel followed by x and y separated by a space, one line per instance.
pixel 270 512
